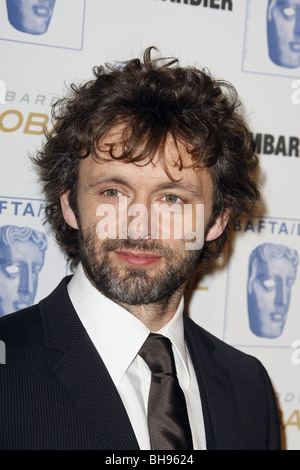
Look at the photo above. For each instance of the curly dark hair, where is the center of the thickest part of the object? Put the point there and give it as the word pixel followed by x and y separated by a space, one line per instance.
pixel 152 98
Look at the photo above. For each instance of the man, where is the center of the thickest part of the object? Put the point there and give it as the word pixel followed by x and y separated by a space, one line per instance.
pixel 283 19
pixel 272 272
pixel 149 136
pixel 22 255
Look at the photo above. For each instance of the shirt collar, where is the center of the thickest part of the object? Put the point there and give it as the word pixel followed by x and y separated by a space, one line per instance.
pixel 116 333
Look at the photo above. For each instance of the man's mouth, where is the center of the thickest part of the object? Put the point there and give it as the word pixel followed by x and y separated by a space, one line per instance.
pixel 138 258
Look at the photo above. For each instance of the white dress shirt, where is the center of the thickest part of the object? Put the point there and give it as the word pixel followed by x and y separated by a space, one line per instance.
pixel 118 336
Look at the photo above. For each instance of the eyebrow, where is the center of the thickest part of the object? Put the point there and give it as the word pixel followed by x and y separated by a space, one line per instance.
pixel 168 185
pixel 181 185
pixel 109 179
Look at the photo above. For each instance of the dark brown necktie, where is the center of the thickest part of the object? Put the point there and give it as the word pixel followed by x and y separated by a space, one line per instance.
pixel 167 414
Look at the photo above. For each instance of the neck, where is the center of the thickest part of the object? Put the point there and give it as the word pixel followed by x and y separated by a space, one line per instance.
pixel 156 315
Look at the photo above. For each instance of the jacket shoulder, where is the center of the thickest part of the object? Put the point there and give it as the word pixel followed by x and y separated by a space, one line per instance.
pixel 21 323
pixel 250 385
pixel 241 367
pixel 223 352
pixel 22 333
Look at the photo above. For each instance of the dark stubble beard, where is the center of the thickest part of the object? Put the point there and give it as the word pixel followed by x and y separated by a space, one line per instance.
pixel 130 285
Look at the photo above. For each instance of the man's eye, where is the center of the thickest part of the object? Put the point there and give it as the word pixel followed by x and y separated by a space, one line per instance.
pixel 112 192
pixel 171 199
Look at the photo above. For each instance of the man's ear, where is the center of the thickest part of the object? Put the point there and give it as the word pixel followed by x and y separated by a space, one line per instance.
pixel 68 213
pixel 219 226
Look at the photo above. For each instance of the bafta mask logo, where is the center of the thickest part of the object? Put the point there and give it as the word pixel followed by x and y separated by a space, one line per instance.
pixel 272 272
pixel 30 16
pixel 22 254
pixel 283 20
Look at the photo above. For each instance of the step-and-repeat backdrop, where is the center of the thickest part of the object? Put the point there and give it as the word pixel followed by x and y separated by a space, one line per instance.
pixel 252 299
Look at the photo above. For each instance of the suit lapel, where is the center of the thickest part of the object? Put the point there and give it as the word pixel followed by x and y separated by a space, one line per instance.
pixel 88 383
pixel 84 375
pixel 219 411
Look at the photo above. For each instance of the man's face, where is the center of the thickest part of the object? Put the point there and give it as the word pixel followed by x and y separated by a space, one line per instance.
pixel 284 32
pixel 30 16
pixel 140 265
pixel 269 294
pixel 19 269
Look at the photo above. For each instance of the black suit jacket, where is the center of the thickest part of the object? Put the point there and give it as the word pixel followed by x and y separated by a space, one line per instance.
pixel 56 393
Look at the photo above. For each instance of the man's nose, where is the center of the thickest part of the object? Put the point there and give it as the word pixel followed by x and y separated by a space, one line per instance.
pixel 139 218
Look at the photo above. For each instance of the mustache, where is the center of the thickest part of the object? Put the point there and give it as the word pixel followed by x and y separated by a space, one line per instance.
pixel 154 246
pixel 86 237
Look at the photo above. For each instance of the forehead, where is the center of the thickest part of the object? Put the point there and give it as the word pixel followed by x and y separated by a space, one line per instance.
pixel 174 162
pixel 147 177
pixel 121 139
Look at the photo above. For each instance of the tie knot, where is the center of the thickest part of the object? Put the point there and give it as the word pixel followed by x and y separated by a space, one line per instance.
pixel 158 355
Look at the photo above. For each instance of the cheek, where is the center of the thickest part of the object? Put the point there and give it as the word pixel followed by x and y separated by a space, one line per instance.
pixel 105 222
pixel 87 210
